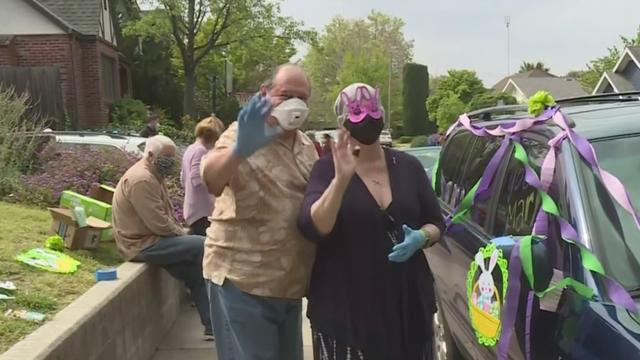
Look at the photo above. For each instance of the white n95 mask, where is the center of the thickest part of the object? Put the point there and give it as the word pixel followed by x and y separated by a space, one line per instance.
pixel 291 114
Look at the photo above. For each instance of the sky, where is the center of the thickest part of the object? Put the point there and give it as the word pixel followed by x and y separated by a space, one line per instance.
pixel 471 34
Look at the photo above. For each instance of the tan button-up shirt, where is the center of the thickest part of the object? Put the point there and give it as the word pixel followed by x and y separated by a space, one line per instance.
pixel 253 240
pixel 142 211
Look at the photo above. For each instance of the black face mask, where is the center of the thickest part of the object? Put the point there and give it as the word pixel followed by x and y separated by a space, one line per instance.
pixel 367 131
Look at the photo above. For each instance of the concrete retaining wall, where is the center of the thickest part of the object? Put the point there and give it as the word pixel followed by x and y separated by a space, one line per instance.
pixel 114 320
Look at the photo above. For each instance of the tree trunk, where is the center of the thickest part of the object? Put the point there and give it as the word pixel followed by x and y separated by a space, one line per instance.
pixel 189 92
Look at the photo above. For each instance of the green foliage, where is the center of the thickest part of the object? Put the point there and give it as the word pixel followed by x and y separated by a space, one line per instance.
pixel 405 139
pixel 459 86
pixel 415 93
pixel 200 28
pixel 357 50
pixel 450 109
pixel 528 66
pixel 17 149
pixel 490 99
pixel 371 71
pixel 420 141
pixel 182 134
pixel 129 114
pixel 228 110
pixel 597 67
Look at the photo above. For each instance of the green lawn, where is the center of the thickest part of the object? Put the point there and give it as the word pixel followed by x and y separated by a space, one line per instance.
pixel 23 228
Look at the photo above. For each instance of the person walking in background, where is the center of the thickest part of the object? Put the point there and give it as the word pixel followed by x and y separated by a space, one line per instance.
pixel 326 144
pixel 257 262
pixel 152 126
pixel 198 203
pixel 146 230
pixel 371 213
pixel 312 136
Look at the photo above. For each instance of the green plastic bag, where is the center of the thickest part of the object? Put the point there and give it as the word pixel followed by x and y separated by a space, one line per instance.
pixel 49 260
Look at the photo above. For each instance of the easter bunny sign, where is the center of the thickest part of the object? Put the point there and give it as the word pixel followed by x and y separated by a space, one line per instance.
pixel 486 287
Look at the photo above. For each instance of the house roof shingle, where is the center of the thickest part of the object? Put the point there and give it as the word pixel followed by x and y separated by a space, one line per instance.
pixel 558 87
pixel 534 73
pixel 619 82
pixel 82 16
pixel 635 51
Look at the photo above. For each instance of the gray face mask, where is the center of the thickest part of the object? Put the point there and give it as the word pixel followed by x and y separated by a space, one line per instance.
pixel 165 165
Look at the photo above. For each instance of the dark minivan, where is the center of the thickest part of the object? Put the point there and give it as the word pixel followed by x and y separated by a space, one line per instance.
pixel 579 328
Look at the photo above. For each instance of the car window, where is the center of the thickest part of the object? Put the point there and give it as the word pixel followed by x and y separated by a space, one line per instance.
pixel 615 237
pixel 428 158
pixel 480 154
pixel 518 202
pixel 452 167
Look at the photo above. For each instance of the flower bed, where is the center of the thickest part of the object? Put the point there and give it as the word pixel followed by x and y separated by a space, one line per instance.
pixel 76 169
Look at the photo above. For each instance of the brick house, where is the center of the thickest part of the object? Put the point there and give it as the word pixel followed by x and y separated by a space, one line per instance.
pixel 76 37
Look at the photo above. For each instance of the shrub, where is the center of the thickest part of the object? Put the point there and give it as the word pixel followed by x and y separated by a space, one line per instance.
pixel 182 134
pixel 72 169
pixel 405 139
pixel 17 148
pixel 76 169
pixel 415 92
pixel 129 114
pixel 419 141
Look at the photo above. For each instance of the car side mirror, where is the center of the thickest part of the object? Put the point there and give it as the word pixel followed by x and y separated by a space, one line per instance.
pixel 541 257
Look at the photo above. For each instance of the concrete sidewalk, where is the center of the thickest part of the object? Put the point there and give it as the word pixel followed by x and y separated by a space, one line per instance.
pixel 186 341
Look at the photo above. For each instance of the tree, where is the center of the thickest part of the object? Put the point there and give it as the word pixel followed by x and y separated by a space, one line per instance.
pixel 355 50
pixel 153 72
pixel 597 67
pixel 434 83
pixel 490 99
pixel 415 93
pixel 450 109
pixel 200 27
pixel 464 84
pixel 528 66
pixel 575 74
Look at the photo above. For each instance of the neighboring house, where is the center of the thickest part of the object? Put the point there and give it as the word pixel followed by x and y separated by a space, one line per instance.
pixel 75 37
pixel 524 85
pixel 625 75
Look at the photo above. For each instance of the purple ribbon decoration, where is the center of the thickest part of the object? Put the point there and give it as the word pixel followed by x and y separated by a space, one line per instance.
pixel 511 302
pixel 617 293
pixel 490 170
pixel 612 183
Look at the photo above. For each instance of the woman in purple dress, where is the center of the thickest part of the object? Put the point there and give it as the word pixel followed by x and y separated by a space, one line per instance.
pixel 372 211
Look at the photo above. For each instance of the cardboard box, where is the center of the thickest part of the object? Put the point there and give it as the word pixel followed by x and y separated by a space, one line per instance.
pixel 102 193
pixel 92 207
pixel 65 225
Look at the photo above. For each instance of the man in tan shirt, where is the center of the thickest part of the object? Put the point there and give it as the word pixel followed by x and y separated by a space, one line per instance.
pixel 257 263
pixel 145 228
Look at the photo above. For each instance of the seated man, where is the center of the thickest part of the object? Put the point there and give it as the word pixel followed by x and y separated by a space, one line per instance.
pixel 146 230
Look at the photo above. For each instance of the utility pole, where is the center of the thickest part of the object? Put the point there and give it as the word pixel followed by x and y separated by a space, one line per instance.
pixel 507 22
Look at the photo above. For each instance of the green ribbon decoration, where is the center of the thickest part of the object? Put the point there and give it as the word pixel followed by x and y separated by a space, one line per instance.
pixel 589 260
pixel 434 173
pixel 549 206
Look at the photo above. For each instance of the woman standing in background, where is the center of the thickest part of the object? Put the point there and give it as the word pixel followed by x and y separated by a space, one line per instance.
pixel 198 203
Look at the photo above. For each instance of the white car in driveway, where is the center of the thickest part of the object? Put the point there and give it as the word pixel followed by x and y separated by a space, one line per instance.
pixel 96 140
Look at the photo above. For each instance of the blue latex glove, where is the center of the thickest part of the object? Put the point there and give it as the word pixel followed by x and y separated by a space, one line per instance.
pixel 253 131
pixel 414 240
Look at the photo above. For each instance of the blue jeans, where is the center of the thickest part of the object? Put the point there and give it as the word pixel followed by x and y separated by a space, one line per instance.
pixel 249 327
pixel 181 256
